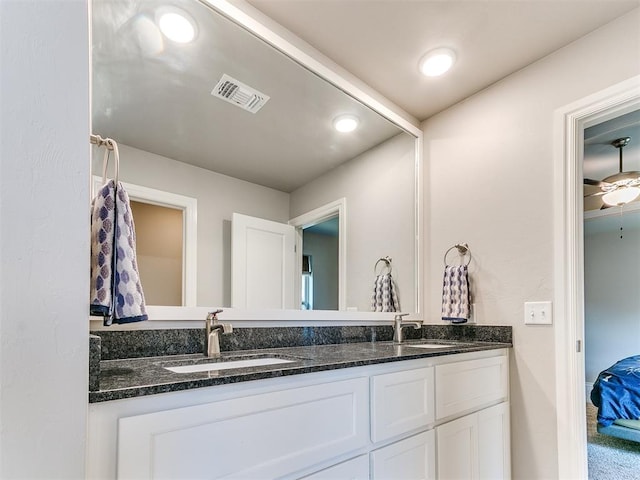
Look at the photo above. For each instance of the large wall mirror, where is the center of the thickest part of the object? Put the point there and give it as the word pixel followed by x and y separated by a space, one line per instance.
pixel 231 122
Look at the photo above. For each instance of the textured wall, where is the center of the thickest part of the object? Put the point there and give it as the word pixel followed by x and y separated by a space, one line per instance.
pixel 44 238
pixel 489 182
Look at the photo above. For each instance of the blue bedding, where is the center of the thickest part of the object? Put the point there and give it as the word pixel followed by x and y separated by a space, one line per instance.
pixel 616 392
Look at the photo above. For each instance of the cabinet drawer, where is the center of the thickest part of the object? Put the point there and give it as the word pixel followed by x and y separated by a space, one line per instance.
pixel 266 435
pixel 401 402
pixel 467 386
pixel 413 458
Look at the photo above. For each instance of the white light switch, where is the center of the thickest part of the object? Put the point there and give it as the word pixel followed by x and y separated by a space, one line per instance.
pixel 538 313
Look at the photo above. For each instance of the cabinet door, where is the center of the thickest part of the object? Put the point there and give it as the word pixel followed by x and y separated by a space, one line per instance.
pixel 354 469
pixel 412 458
pixel 261 436
pixel 494 443
pixel 458 449
pixel 401 402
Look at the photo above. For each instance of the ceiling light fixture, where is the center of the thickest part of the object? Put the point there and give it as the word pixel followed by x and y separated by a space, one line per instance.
pixel 621 196
pixel 621 188
pixel 177 26
pixel 346 123
pixel 436 62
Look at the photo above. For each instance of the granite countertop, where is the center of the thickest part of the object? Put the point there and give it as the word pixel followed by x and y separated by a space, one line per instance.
pixel 134 377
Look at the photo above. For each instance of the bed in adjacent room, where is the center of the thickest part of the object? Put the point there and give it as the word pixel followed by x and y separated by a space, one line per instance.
pixel 616 393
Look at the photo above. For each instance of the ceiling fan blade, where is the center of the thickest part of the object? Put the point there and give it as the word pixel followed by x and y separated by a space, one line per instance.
pixel 595 183
pixel 595 194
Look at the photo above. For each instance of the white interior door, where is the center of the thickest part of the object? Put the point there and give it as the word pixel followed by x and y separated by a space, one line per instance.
pixel 263 263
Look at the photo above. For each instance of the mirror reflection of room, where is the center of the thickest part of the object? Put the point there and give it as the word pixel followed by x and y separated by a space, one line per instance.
pixel 274 162
pixel 320 270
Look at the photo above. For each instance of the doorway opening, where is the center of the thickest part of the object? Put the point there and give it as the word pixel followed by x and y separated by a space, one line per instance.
pixel 322 243
pixel 571 121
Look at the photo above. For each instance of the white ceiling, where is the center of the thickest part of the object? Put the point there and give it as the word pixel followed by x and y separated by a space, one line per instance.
pixel 381 41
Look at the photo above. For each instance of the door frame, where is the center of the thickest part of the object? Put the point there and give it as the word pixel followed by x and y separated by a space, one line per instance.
pixel 570 122
pixel 318 215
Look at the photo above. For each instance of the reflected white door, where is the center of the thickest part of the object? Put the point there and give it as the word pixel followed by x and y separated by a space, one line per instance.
pixel 263 263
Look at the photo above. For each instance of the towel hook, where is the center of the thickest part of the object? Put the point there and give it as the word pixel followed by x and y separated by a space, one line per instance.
pixel 463 250
pixel 387 264
pixel 110 145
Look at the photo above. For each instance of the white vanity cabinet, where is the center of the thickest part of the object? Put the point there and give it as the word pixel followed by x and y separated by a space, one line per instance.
pixel 476 445
pixel 439 417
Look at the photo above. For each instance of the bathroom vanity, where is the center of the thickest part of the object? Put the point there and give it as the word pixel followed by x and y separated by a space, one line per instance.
pixel 362 410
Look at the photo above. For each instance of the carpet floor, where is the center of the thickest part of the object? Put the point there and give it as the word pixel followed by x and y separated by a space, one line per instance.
pixel 610 458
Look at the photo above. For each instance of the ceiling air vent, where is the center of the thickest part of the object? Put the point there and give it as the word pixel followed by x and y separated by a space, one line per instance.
pixel 237 93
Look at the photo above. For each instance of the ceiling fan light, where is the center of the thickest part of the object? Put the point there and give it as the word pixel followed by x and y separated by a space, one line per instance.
pixel 621 196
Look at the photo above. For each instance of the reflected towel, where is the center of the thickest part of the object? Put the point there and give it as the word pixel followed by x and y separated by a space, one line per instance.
pixel 116 292
pixel 384 298
pixel 455 294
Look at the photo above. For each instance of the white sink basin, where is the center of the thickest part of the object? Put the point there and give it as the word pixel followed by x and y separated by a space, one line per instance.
pixel 215 366
pixel 432 345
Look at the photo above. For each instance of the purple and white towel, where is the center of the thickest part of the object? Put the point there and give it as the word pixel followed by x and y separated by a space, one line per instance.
pixel 116 292
pixel 456 300
pixel 384 298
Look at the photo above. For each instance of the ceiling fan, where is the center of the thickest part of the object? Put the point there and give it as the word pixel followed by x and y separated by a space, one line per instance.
pixel 618 189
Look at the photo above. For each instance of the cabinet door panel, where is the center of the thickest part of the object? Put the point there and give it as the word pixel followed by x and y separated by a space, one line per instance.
pixel 412 458
pixel 401 402
pixel 458 449
pixel 263 436
pixel 469 385
pixel 494 443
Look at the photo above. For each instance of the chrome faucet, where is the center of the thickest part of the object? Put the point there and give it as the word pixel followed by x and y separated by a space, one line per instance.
pixel 212 334
pixel 398 324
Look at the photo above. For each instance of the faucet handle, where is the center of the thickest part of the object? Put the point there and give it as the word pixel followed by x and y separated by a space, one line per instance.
pixel 400 315
pixel 214 315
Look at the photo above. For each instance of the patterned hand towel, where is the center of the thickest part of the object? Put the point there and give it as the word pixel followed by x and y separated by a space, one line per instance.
pixel 384 298
pixel 455 294
pixel 116 292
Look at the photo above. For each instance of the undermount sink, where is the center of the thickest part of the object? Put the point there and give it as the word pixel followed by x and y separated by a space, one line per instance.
pixel 434 345
pixel 214 365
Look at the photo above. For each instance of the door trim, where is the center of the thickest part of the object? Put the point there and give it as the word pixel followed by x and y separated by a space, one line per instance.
pixel 570 122
pixel 318 215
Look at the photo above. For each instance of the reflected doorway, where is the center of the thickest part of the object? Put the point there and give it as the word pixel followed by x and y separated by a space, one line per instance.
pixel 320 252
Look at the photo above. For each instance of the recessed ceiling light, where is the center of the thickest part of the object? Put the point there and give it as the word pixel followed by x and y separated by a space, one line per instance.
pixel 346 123
pixel 436 62
pixel 177 26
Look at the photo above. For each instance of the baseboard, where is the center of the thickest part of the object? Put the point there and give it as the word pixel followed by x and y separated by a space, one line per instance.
pixel 588 386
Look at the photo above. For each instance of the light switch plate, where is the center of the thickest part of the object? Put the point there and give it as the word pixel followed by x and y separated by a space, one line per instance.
pixel 538 313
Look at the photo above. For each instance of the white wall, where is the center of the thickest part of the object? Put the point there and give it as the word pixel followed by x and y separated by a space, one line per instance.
pixel 218 197
pixel 611 286
pixel 44 240
pixel 379 188
pixel 489 182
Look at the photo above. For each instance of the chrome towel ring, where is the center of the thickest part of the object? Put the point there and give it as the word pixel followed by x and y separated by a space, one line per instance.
pixel 463 250
pixel 387 264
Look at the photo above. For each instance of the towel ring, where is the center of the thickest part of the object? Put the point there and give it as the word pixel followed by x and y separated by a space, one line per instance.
pixel 387 264
pixel 463 250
